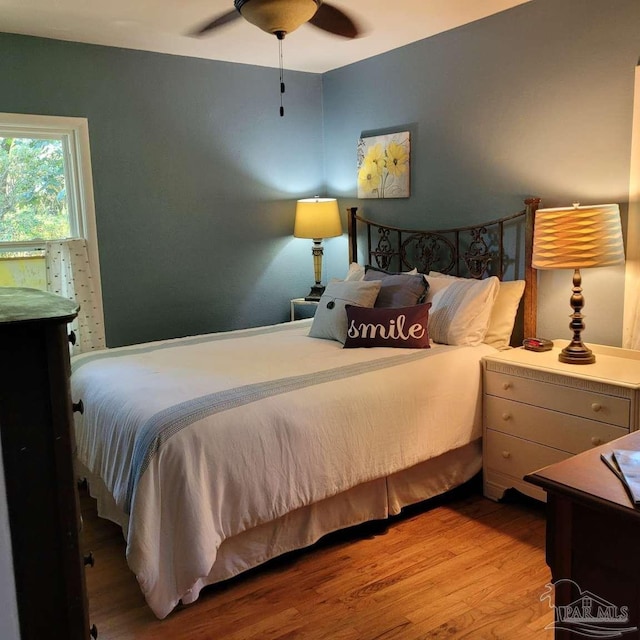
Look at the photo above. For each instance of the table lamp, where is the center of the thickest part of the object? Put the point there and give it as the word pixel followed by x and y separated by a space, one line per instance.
pixel 317 218
pixel 575 238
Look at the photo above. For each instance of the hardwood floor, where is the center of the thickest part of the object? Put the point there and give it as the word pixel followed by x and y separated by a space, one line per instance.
pixel 461 567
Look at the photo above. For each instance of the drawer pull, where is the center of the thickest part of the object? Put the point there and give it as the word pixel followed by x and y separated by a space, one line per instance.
pixel 506 454
pixel 506 385
pixel 93 632
pixel 506 415
pixel 72 337
pixel 78 406
pixel 595 441
pixel 596 406
pixel 89 560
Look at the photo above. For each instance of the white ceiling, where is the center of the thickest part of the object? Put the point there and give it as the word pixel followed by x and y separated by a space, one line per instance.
pixel 161 25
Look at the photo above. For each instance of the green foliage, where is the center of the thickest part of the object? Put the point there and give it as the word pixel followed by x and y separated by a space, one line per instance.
pixel 33 202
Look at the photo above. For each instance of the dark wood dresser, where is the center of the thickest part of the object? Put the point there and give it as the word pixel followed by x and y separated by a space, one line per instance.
pixel 593 545
pixel 37 446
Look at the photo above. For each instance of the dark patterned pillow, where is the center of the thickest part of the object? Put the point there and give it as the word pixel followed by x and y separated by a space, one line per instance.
pixel 386 272
pixel 398 289
pixel 403 327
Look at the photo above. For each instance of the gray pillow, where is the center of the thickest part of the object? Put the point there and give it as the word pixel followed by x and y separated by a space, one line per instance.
pixel 398 290
pixel 330 320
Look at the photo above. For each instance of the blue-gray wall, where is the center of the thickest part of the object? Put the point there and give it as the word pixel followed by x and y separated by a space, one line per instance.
pixel 195 178
pixel 196 175
pixel 536 100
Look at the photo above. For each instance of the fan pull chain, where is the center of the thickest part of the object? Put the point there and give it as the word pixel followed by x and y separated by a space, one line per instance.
pixel 281 75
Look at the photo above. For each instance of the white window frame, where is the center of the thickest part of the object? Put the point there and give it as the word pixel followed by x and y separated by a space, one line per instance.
pixel 631 319
pixel 74 134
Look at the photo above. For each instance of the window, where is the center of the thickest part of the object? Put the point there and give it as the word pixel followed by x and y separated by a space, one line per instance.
pixel 46 193
pixel 46 196
pixel 33 194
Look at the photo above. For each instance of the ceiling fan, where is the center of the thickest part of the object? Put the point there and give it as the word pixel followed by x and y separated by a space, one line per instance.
pixel 281 17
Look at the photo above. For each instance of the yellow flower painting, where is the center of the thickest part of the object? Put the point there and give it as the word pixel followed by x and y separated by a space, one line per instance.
pixel 383 166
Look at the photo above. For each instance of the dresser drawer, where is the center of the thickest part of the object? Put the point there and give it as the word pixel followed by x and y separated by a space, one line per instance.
pixel 551 428
pixel 516 457
pixel 586 404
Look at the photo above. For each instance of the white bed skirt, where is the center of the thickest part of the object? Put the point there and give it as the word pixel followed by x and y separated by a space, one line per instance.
pixel 375 500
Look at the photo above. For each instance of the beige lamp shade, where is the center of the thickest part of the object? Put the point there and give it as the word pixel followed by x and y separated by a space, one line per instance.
pixel 578 237
pixel 275 16
pixel 317 218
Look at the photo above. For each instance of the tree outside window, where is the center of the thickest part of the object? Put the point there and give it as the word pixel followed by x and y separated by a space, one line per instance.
pixel 33 198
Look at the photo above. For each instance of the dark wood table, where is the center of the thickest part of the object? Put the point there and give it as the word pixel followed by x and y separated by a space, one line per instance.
pixel 593 546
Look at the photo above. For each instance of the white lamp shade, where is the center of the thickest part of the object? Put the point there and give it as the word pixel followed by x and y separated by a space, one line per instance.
pixel 273 16
pixel 317 218
pixel 578 237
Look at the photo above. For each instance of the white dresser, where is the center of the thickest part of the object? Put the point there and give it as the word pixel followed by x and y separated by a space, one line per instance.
pixel 538 411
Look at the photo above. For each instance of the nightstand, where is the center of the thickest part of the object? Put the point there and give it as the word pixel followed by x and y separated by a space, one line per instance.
pixel 538 411
pixel 307 305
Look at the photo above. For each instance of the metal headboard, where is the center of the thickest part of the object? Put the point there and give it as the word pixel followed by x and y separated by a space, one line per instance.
pixel 474 251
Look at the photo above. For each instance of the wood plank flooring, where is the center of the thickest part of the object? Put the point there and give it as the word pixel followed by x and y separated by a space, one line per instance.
pixel 460 567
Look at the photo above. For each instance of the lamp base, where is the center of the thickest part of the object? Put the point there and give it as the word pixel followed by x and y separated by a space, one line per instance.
pixel 577 353
pixel 315 294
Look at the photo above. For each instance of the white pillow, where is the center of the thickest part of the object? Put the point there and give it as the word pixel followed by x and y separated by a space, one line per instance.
pixel 437 282
pixel 461 310
pixel 330 319
pixel 503 314
pixel 356 272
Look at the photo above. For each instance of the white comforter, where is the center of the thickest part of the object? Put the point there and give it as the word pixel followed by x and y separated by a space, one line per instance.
pixel 202 438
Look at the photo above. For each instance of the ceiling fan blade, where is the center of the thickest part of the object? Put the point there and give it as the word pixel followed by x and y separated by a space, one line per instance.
pixel 334 20
pixel 225 18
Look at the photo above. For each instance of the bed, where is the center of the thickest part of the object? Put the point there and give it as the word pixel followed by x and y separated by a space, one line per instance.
pixel 216 453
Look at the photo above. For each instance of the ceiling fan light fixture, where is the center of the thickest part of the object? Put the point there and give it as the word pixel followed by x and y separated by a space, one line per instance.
pixel 277 16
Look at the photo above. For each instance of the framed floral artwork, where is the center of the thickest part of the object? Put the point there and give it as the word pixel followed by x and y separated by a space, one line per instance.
pixel 383 166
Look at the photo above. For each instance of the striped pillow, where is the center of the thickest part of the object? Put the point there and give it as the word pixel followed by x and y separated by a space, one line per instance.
pixel 460 313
